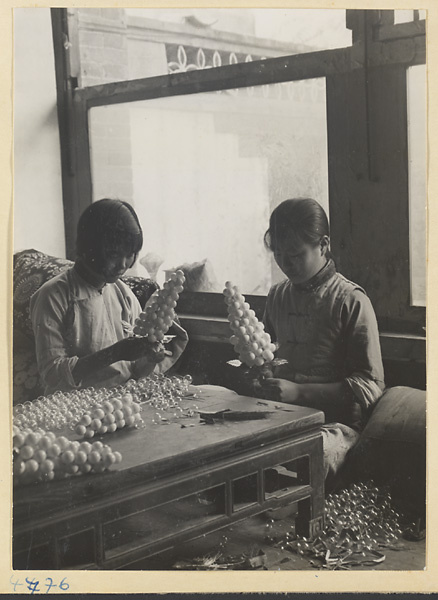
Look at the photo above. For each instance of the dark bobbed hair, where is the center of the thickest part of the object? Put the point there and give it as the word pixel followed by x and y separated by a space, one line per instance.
pixel 106 226
pixel 298 219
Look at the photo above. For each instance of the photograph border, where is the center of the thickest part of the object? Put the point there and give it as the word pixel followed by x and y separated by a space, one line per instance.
pixel 315 581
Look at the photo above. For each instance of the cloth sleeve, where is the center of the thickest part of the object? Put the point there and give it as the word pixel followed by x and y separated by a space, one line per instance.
pixel 364 367
pixel 47 310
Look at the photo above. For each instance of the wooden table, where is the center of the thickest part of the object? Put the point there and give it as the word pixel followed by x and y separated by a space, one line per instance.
pixel 177 481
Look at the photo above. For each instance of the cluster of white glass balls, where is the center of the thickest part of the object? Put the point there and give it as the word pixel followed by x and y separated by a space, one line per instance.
pixel 164 394
pixel 155 320
pixel 91 411
pixel 249 339
pixel 79 407
pixel 158 389
pixel 42 456
pixel 108 416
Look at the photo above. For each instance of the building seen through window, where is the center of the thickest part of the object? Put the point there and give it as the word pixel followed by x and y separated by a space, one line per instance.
pixel 204 172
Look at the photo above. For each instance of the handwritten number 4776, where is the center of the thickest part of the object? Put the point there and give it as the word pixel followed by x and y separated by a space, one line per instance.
pixel 32 585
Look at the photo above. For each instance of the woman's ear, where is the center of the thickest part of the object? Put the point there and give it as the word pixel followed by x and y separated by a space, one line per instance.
pixel 325 244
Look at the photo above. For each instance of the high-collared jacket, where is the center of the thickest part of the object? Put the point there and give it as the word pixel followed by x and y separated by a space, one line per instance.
pixel 71 318
pixel 327 331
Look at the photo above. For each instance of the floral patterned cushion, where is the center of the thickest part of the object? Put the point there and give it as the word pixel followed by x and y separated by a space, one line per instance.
pixel 26 381
pixel 31 269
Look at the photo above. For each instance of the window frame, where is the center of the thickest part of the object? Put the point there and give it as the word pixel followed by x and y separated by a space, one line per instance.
pixel 376 42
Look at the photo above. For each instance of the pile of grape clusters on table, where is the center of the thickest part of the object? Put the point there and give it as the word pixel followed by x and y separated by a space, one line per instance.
pixel 40 454
pixel 43 456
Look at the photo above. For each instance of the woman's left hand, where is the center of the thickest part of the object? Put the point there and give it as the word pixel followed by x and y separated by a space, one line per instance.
pixel 133 348
pixel 280 390
pixel 155 353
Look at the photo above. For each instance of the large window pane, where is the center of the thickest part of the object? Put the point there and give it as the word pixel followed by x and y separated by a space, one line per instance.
pixel 416 81
pixel 406 16
pixel 204 172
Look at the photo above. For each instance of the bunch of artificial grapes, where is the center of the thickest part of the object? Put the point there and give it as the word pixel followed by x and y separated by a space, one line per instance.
pixel 249 339
pixel 155 320
pixel 110 415
pixel 42 456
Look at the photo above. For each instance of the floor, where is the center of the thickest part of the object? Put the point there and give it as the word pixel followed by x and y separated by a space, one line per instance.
pixel 262 537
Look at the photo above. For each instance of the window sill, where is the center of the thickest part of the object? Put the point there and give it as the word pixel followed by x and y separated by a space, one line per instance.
pixel 395 346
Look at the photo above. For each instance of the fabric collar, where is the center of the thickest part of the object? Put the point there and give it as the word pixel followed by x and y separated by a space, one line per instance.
pixel 328 270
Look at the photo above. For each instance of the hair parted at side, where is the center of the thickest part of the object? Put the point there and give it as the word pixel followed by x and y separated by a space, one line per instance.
pixel 303 219
pixel 108 225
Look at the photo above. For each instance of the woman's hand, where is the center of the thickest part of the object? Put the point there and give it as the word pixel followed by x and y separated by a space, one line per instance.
pixel 256 376
pixel 280 390
pixel 155 352
pixel 133 348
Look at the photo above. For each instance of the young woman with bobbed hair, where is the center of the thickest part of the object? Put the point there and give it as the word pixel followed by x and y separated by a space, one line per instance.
pixel 325 328
pixel 83 318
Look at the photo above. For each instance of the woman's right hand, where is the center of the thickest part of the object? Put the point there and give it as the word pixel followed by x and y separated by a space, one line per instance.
pixel 281 390
pixel 256 376
pixel 130 349
pixel 133 348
